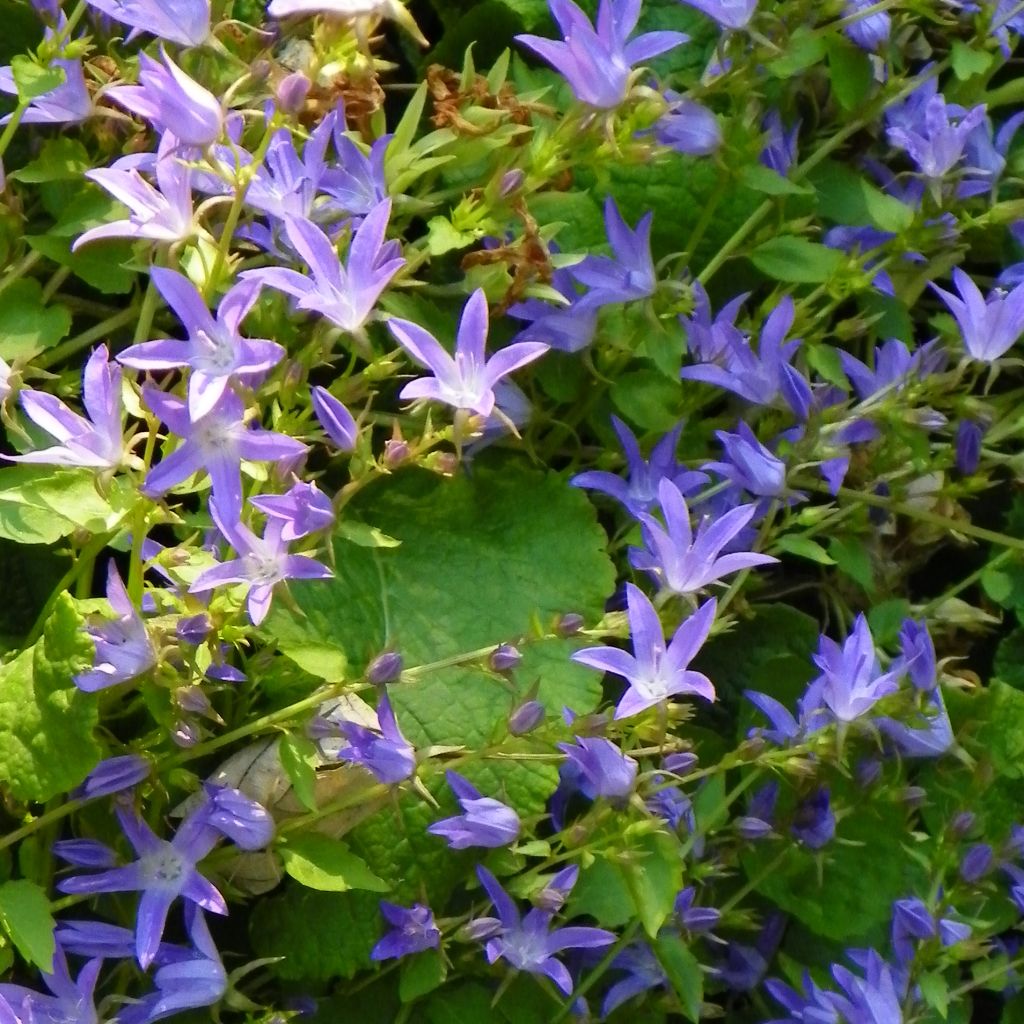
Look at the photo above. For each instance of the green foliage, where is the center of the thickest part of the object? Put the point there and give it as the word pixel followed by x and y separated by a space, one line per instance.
pixel 27 325
pixel 27 920
pixel 319 862
pixel 788 258
pixel 46 723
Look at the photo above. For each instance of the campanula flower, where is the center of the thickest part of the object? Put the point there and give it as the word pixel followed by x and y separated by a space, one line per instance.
pixel 679 561
pixel 780 145
pixel 338 423
pixel 734 14
pixel 157 214
pixel 875 998
pixel 123 648
pixel 870 32
pixel 413 930
pixel 814 823
pixel 852 681
pixel 927 731
pixel 967 443
pixel 596 59
pixel 97 442
pixel 357 182
pixel 629 273
pixel 895 366
pixel 688 127
pixel 113 775
pixel 601 768
pixel 172 102
pixel 529 943
pixel 654 673
pixel 693 918
pixel 977 862
pixel 466 381
pixel 936 141
pixel 164 871
pixel 69 103
pixel 484 821
pixel 344 294
pixel 749 464
pixel 215 351
pixel 784 726
pixel 216 442
pixel 71 1000
pixel 303 509
pixel 262 563
pixel 186 22
pixel 989 326
pixel 766 377
pixel 387 754
pixel 639 492
pixel 710 337
pixel 641 973
pixel 569 327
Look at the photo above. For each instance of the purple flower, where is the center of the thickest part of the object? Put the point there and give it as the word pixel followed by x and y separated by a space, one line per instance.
pixel 977 862
pixel 97 442
pixel 734 14
pixel 484 821
pixel 262 563
pixel 163 214
pixel 70 1000
pixel 918 655
pixel 852 681
pixel 113 775
pixel 596 61
pixel 186 22
pixel 927 733
pixel 710 338
pixel 629 274
pixel 688 127
pixel 870 32
pixel 969 435
pixel 989 327
pixel 692 918
pixel 780 146
pixel 894 367
pixel 164 871
pixel 338 423
pixel 466 381
pixel 640 492
pixel 814 824
pixel 749 464
pixel 569 327
pixel 526 717
pixel 216 442
pixel 387 754
pixel 343 294
pixel 602 768
pixel 172 102
pixel 215 350
pixel 528 943
pixel 935 141
pixel 68 103
pixel 302 510
pixel 413 930
pixel 877 998
pixel 653 672
pixel 357 181
pixel 682 563
pixel 764 378
pixel 642 973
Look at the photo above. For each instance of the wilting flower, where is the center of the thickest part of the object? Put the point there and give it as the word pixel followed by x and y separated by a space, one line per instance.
pixel 413 930
pixel 172 102
pixel 186 22
pixel 484 821
pixel 596 61
pixel 466 381
pixel 97 442
pixel 654 672
pixel 215 350
pixel 529 943
pixel 989 327
pixel 393 9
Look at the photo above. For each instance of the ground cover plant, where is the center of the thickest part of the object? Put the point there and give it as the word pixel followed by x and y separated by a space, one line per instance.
pixel 511 513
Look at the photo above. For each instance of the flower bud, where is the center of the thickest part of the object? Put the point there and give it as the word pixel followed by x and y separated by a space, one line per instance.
pixel 292 91
pixel 85 853
pixel 569 624
pixel 681 763
pixel 510 181
pixel 962 824
pixel 193 629
pixel 185 734
pixel 968 446
pixel 753 828
pixel 526 718
pixel 505 658
pixel 396 451
pixel 112 776
pixel 385 668
pixel 192 698
pixel 338 423
pixel 914 796
pixel 977 862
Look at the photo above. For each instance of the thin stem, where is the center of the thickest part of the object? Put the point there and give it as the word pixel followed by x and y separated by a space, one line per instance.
pixel 85 339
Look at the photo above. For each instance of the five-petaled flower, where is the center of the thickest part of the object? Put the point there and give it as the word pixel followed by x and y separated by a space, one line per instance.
pixel 484 821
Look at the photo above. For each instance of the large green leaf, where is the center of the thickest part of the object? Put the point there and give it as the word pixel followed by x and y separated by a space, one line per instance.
pixel 46 723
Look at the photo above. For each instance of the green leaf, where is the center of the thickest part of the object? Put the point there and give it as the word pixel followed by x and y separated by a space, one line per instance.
pixel 60 159
pixel 364 535
pixel 885 619
pixel 803 49
pixel 34 80
pixel 46 723
pixel 968 62
pixel 789 258
pixel 852 557
pixel 935 990
pixel 26 917
pixel 470 1003
pixel 771 183
pixel 825 360
pixel 100 264
pixel 319 862
pixel 421 974
pixel 1009 660
pixel 648 399
pixel 683 971
pixel 803 547
pixel 299 759
pixel 27 325
pixel 847 198
pixel 850 72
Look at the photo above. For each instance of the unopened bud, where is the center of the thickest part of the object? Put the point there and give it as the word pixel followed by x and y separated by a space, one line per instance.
pixel 385 668
pixel 526 718
pixel 292 92
pixel 753 828
pixel 681 763
pixel 962 824
pixel 396 451
pixel 193 629
pixel 185 734
pixel 569 624
pixel 977 862
pixel 510 181
pixel 505 658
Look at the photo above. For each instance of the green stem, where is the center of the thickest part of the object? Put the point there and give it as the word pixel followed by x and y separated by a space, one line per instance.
pixel 85 339
pixel 49 818
pixel 19 270
pixel 967 581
